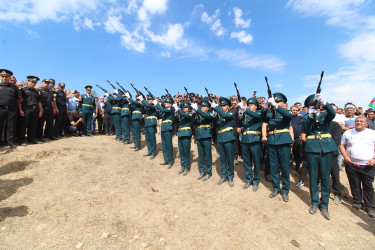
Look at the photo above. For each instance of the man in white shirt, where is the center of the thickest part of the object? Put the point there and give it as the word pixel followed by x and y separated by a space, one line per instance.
pixel 357 147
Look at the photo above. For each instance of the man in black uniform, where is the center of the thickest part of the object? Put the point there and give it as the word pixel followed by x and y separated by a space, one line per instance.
pixel 10 98
pixel 31 110
pixel 61 106
pixel 47 116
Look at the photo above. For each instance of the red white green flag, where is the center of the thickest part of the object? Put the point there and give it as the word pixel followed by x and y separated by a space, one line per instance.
pixel 372 103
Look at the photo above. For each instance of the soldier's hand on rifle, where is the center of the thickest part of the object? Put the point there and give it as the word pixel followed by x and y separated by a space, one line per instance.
pixel 116 91
pixel 312 111
pixel 106 94
pixel 127 94
pixel 155 102
pixel 265 105
pixel 140 98
pixel 175 106
pixel 320 99
pixel 240 104
pixel 271 101
pixel 194 106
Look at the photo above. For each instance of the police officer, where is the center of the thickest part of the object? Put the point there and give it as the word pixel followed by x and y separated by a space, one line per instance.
pixel 61 106
pixel 278 143
pixel 166 130
pixel 87 109
pixel 31 110
pixel 10 99
pixel 251 142
pixel 319 150
pixel 185 124
pixel 225 121
pixel 136 119
pixel 204 120
pixel 48 103
pixel 151 121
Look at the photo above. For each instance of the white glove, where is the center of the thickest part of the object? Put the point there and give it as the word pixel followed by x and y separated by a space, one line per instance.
pixel 320 99
pixel 116 91
pixel 155 102
pixel 265 105
pixel 312 111
pixel 127 94
pixel 175 106
pixel 240 104
pixel 271 100
pixel 106 94
pixel 194 106
pixel 140 98
pixel 214 104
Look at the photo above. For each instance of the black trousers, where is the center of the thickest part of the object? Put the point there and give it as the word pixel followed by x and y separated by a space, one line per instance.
pixel 60 121
pixel 297 152
pixel 31 123
pixel 100 124
pixel 108 123
pixel 360 181
pixel 335 174
pixel 7 119
pixel 46 118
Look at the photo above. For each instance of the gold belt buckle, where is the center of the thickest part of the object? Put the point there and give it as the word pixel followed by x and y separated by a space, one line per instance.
pixel 318 136
pixel 275 131
pixel 6 107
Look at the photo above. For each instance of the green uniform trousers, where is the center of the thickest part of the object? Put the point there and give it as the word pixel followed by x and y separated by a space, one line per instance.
pixel 184 144
pixel 319 165
pixel 226 152
pixel 279 157
pixel 150 136
pixel 136 132
pixel 125 128
pixel 117 124
pixel 87 116
pixel 251 154
pixel 167 146
pixel 205 155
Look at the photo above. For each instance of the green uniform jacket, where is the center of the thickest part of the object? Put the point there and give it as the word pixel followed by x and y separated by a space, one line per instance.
pixel 251 122
pixel 116 105
pixel 225 123
pixel 88 103
pixel 204 124
pixel 137 109
pixel 166 117
pixel 151 118
pixel 280 122
pixel 185 122
pixel 125 106
pixel 320 125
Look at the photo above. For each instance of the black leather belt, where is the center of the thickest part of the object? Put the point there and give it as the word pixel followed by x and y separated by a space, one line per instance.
pixel 7 106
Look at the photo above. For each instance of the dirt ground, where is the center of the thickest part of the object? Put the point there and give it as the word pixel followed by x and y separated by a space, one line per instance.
pixel 96 193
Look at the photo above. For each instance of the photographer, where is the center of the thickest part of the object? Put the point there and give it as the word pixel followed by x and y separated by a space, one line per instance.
pixel 348 121
pixel 77 123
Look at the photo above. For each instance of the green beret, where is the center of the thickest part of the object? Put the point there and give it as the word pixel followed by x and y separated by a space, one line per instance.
pixel 224 101
pixel 206 103
pixel 5 72
pixel 309 100
pixel 253 101
pixel 279 97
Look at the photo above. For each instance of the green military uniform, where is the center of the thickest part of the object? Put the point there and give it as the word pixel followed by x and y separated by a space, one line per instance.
pixel 319 149
pixel 136 122
pixel 166 132
pixel 87 109
pixel 116 115
pixel 125 118
pixel 252 143
pixel 184 134
pixel 225 122
pixel 151 121
pixel 278 145
pixel 204 140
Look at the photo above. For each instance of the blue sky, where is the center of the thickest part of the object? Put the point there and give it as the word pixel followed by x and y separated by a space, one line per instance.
pixel 207 43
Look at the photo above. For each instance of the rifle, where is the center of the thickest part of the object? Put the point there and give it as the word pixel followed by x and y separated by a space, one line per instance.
pixel 150 93
pixel 188 93
pixel 123 89
pixel 209 97
pixel 270 96
pixel 168 93
pixel 112 85
pixel 104 90
pixel 238 93
pixel 318 90
pixel 138 93
pixel 255 94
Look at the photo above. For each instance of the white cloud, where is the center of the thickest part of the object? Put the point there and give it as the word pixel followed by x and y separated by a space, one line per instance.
pixel 172 38
pixel 155 6
pixel 113 25
pixel 132 43
pixel 239 22
pixel 214 22
pixel 242 37
pixel 32 33
pixel 245 60
pixel 218 28
pixel 165 54
pixel 360 48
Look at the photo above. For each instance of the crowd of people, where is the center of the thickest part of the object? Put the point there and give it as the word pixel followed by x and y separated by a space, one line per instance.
pixel 319 138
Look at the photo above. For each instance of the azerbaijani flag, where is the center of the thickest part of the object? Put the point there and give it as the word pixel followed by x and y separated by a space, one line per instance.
pixel 372 103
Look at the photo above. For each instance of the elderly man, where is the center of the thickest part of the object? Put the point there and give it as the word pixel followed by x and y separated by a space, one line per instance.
pixel 357 147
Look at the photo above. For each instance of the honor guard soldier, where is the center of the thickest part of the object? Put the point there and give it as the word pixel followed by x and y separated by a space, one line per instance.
pixel 87 109
pixel 184 134
pixel 136 119
pixel 151 121
pixel 166 130
pixel 61 106
pixel 125 117
pixel 225 121
pixel 31 110
pixel 48 105
pixel 251 142
pixel 10 99
pixel 278 143
pixel 204 120
pixel 319 150
pixel 116 114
